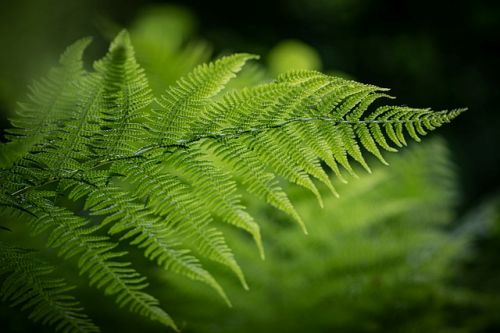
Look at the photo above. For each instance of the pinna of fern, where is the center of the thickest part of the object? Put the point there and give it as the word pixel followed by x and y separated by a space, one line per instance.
pixel 28 282
pixel 377 253
pixel 161 172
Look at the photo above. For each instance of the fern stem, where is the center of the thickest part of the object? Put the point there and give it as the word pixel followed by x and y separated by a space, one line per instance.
pixel 230 133
pixel 255 130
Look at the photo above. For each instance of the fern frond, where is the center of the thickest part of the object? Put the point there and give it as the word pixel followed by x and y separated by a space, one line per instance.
pixel 303 118
pixel 29 282
pixel 381 240
pixel 170 197
pixel 51 99
pixel 142 224
pixel 178 108
pixel 252 174
pixel 73 236
pixel 161 173
pixel 215 189
pixel 126 95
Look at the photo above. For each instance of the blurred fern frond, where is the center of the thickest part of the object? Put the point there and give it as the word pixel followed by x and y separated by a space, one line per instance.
pixel 28 283
pixel 159 172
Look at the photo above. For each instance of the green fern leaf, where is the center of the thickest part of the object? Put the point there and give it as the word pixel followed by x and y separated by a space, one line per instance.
pixel 52 97
pixel 73 236
pixel 29 282
pixel 162 173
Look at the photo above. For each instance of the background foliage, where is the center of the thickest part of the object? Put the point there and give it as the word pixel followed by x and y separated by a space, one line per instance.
pixel 429 53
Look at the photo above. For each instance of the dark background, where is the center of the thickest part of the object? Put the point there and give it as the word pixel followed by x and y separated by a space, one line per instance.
pixel 438 54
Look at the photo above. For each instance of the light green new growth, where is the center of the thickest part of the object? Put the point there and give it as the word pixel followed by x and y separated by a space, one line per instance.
pixel 161 172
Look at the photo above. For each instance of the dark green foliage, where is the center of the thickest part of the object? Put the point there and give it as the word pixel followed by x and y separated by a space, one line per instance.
pixel 160 173
pixel 29 283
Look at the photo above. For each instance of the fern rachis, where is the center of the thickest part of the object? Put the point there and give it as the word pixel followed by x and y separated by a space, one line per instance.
pixel 160 173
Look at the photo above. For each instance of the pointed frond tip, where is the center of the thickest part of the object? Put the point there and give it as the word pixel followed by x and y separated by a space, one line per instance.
pixel 75 51
pixel 122 40
pixel 164 173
